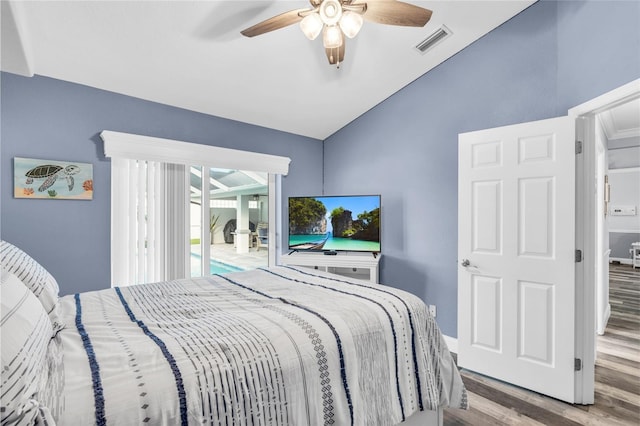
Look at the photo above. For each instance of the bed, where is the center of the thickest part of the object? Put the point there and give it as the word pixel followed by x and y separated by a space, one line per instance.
pixel 272 346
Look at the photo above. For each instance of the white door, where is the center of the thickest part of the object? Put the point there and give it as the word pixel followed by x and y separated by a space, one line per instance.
pixel 516 248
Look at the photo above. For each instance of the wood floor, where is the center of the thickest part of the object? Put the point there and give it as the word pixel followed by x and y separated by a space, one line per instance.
pixel 617 381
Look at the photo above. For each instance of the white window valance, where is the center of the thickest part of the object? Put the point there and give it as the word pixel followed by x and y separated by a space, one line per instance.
pixel 138 147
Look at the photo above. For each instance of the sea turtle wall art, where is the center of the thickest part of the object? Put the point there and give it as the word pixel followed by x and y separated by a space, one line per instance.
pixel 34 178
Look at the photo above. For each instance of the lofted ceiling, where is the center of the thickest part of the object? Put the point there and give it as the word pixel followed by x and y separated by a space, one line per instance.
pixel 190 54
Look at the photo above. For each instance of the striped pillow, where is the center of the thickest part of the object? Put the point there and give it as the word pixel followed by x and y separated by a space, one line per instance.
pixel 25 335
pixel 35 277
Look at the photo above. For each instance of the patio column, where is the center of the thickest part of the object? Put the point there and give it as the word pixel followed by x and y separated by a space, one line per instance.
pixel 243 233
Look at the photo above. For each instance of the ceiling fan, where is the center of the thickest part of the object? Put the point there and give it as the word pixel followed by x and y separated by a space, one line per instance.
pixel 339 18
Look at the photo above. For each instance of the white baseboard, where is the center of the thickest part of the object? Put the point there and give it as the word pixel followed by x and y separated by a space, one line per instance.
pixel 605 320
pixel 452 343
pixel 622 260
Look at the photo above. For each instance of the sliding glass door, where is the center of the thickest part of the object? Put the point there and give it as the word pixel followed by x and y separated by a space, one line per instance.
pixel 166 218
pixel 229 220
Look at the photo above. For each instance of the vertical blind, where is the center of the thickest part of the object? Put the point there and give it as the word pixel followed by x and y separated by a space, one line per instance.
pixel 149 201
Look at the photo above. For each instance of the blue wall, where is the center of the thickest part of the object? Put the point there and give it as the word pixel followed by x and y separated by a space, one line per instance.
pixel 51 119
pixel 549 58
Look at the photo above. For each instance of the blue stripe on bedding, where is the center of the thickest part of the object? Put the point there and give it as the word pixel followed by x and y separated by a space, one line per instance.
pixel 393 329
pixel 343 373
pixel 170 359
pixel 98 395
pixel 413 333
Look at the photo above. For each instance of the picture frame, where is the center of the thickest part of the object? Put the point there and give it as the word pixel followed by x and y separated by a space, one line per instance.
pixel 52 179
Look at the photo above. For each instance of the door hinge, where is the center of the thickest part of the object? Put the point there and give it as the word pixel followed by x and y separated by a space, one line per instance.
pixel 577 364
pixel 578 147
pixel 578 256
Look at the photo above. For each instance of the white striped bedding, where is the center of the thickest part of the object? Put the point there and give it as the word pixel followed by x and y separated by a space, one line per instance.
pixel 35 277
pixel 26 332
pixel 276 346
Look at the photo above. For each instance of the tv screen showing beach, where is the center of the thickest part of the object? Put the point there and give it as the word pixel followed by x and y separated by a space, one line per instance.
pixel 340 223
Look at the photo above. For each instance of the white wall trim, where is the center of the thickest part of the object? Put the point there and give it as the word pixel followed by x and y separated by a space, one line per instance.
pixel 624 170
pixel 624 231
pixel 452 343
pixel 605 320
pixel 608 100
pixel 622 260
pixel 585 114
pixel 139 147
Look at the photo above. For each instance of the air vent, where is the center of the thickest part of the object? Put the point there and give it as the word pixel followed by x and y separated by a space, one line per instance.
pixel 436 37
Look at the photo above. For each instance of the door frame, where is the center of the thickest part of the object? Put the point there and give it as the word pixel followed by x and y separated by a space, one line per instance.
pixel 490 308
pixel 586 169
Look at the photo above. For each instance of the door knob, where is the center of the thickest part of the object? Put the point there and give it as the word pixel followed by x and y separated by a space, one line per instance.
pixel 465 262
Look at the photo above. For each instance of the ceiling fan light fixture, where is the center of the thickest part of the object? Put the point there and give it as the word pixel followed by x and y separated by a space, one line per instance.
pixel 350 23
pixel 338 19
pixel 311 25
pixel 332 37
pixel 330 12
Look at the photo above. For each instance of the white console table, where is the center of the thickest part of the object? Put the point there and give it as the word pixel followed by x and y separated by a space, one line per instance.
pixel 362 266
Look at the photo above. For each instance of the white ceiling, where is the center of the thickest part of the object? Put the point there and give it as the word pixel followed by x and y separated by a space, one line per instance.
pixel 190 54
pixel 622 122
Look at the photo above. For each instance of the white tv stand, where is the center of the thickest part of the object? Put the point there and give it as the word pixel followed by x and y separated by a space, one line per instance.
pixel 362 266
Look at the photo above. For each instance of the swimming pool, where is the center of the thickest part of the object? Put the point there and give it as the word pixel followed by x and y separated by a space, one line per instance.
pixel 215 267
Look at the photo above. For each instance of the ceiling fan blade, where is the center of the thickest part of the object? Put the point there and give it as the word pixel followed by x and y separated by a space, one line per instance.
pixel 335 55
pixel 274 23
pixel 396 13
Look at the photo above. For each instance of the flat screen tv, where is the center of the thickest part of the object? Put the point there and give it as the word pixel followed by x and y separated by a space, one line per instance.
pixel 335 223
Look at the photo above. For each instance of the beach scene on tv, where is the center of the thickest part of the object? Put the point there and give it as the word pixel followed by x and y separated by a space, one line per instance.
pixel 340 223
